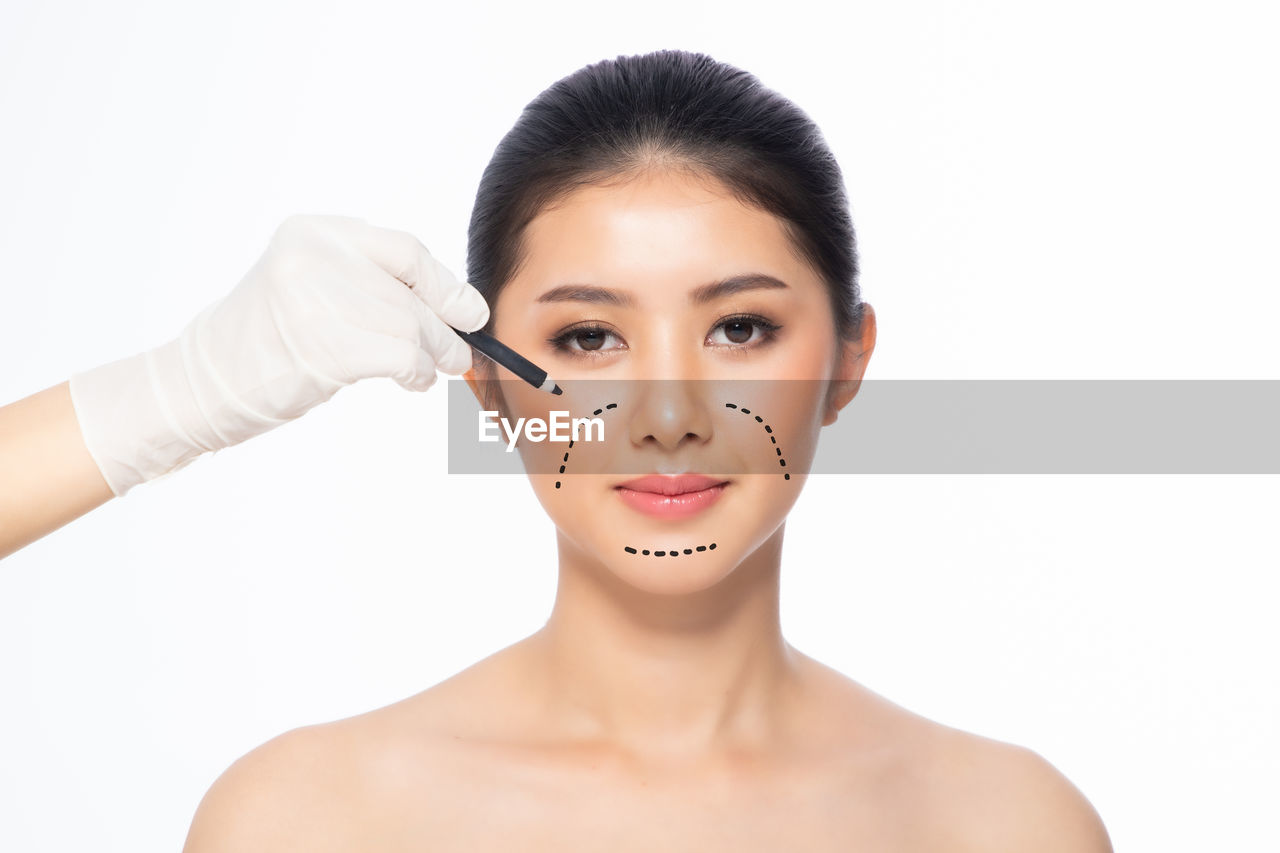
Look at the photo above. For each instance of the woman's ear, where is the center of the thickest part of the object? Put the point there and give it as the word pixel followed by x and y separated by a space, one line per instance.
pixel 473 382
pixel 485 388
pixel 852 364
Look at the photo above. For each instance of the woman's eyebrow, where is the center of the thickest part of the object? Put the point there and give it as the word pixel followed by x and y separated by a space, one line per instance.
pixel 698 296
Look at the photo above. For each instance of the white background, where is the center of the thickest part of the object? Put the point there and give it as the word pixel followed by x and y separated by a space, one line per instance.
pixel 1082 190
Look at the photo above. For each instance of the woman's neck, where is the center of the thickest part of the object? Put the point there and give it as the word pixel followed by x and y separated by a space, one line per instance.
pixel 667 676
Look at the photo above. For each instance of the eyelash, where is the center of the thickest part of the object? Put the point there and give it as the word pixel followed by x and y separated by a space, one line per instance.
pixel 770 329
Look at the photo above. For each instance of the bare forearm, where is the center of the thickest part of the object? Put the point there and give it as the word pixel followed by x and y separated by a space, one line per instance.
pixel 47 477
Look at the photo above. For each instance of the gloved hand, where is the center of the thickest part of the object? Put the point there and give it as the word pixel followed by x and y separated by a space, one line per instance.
pixel 331 301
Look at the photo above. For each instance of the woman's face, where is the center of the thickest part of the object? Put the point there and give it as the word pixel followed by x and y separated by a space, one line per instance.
pixel 687 381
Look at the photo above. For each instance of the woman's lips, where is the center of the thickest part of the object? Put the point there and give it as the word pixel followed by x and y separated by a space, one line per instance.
pixel 683 505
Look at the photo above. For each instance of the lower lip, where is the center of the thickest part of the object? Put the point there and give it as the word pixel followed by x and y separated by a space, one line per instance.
pixel 671 506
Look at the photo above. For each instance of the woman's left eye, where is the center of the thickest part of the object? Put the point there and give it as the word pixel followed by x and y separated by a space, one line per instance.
pixel 739 330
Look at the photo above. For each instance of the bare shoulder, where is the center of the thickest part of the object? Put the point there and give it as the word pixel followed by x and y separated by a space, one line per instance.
pixel 338 785
pixel 954 790
pixel 1001 796
pixel 297 791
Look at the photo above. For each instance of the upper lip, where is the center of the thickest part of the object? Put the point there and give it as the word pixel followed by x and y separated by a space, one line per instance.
pixel 661 484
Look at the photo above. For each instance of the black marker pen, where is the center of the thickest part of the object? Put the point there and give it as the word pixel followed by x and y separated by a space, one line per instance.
pixel 510 359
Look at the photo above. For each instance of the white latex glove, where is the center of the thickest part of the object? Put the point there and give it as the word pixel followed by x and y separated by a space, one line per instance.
pixel 331 301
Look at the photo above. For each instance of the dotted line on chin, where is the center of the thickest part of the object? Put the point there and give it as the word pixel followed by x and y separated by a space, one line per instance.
pixel 671 553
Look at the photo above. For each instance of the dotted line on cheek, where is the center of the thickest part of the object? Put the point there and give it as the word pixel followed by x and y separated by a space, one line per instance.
pixel 565 461
pixel 772 438
pixel 675 552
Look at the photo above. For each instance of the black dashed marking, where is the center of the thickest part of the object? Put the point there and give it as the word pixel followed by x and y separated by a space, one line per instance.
pixel 566 455
pixel 712 546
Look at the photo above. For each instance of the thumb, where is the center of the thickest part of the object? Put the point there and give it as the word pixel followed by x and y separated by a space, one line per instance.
pixel 456 302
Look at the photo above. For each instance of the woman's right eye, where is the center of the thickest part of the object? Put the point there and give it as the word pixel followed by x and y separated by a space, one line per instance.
pixel 589 340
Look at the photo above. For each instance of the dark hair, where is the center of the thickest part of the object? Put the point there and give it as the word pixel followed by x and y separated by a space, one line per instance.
pixel 670 109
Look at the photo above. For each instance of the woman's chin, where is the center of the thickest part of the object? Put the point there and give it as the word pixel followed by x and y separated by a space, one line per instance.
pixel 665 550
pixel 673 576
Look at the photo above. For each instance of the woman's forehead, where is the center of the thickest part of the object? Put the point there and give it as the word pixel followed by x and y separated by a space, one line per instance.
pixel 664 206
pixel 661 231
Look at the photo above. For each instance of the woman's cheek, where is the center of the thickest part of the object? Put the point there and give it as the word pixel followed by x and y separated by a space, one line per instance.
pixel 767 427
pixel 783 423
pixel 763 437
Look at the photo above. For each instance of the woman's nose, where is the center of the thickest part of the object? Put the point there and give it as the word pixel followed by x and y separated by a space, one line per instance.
pixel 669 412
